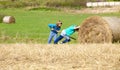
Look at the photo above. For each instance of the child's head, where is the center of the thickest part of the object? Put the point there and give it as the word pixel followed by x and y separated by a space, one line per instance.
pixel 77 28
pixel 59 23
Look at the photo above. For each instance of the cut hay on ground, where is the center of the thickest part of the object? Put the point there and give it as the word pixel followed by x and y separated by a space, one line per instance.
pixel 8 19
pixel 59 57
pixel 98 29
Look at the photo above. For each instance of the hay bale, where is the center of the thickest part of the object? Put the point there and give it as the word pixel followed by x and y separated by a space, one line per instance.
pixel 8 19
pixel 98 29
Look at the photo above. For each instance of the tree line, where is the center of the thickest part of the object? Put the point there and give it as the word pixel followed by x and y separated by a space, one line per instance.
pixel 46 3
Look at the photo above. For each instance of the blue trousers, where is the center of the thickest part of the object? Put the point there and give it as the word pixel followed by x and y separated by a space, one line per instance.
pixel 51 36
pixel 59 38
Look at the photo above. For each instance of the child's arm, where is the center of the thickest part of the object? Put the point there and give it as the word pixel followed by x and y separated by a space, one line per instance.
pixel 51 26
pixel 77 27
pixel 58 30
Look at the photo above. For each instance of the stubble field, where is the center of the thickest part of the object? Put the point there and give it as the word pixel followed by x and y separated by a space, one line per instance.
pixel 22 56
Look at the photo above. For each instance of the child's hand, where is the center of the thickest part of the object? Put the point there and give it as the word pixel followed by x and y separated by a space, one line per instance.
pixel 58 31
pixel 52 29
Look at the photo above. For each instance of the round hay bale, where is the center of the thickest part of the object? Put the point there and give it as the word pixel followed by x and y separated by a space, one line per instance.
pixel 98 29
pixel 8 19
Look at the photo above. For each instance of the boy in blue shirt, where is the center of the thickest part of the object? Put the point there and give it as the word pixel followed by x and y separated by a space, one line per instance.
pixel 55 28
pixel 66 33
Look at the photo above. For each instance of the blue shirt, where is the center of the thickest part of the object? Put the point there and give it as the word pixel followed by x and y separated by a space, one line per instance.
pixel 70 30
pixel 55 28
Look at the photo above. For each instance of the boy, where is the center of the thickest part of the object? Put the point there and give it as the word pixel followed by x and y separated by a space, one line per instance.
pixel 55 28
pixel 66 33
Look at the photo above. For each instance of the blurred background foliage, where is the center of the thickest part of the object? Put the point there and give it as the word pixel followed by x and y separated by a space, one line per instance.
pixel 46 3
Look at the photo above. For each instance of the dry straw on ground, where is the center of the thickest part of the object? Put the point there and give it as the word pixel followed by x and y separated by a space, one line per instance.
pixel 8 19
pixel 98 29
pixel 59 57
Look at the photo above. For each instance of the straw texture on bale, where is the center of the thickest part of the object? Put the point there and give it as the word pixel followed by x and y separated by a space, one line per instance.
pixel 8 19
pixel 98 29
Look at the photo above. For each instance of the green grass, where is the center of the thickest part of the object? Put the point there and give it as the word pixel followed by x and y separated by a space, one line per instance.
pixel 32 26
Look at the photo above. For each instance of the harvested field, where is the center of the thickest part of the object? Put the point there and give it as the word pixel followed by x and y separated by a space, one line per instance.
pixel 59 57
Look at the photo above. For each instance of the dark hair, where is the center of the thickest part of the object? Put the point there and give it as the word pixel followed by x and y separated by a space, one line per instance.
pixel 77 29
